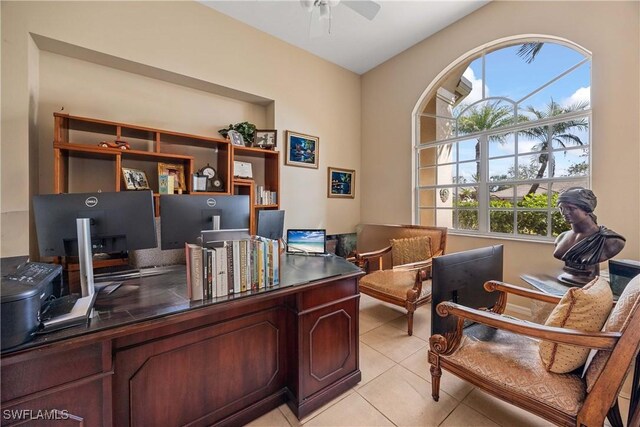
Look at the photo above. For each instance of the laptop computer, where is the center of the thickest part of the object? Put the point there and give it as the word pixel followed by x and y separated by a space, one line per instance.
pixel 307 242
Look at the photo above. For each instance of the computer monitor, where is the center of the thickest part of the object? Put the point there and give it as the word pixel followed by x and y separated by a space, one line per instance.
pixel 459 277
pixel 270 224
pixel 82 224
pixel 184 217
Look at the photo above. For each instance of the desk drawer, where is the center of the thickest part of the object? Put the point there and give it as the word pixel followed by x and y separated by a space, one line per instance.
pixel 39 370
pixel 330 292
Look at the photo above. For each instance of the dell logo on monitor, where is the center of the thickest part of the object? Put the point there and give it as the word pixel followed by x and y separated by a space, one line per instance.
pixel 91 201
pixel 211 202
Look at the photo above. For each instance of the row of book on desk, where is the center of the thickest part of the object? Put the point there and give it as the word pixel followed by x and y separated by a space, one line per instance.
pixel 231 267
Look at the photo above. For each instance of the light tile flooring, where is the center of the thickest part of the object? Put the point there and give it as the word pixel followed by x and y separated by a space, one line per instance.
pixel 396 384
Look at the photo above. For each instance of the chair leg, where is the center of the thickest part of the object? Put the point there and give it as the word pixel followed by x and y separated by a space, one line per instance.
pixel 410 321
pixel 436 373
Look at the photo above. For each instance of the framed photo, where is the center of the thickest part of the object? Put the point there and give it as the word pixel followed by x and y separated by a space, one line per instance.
pixel 177 171
pixel 134 179
pixel 265 138
pixel 341 183
pixel 236 137
pixel 301 150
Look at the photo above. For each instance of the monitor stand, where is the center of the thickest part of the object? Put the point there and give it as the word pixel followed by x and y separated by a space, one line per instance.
pixel 87 285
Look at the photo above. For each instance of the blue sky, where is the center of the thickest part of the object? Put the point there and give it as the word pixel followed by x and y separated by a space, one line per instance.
pixel 508 75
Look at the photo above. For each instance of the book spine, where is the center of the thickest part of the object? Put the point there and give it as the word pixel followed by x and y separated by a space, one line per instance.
pixel 276 262
pixel 269 263
pixel 261 264
pixel 243 265
pixel 187 256
pixel 221 268
pixel 205 272
pixel 196 273
pixel 230 268
pixel 211 291
pixel 237 267
pixel 254 265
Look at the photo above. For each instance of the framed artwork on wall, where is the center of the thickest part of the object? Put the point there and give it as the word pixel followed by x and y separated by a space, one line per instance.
pixel 301 150
pixel 341 183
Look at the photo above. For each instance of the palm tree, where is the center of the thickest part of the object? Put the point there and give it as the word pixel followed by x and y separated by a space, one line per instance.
pixel 529 51
pixel 483 117
pixel 557 132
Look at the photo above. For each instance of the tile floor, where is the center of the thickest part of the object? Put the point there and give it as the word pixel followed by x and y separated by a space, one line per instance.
pixel 396 384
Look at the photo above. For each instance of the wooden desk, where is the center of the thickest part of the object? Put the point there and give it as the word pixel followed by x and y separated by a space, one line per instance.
pixel 152 357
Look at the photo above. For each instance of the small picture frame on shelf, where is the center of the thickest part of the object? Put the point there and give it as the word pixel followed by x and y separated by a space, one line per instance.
pixel 135 179
pixel 175 171
pixel 341 183
pixel 301 150
pixel 236 138
pixel 265 138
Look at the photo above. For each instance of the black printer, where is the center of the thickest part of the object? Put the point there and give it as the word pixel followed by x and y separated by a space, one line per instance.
pixel 25 289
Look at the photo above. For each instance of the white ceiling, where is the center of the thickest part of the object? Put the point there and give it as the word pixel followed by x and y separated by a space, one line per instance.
pixel 354 42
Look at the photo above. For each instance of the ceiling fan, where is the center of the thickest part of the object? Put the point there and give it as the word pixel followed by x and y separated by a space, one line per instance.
pixel 367 8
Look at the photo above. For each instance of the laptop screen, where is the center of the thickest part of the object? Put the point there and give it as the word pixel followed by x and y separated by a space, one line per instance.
pixel 310 242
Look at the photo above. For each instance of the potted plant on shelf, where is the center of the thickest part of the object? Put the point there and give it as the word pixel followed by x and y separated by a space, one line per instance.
pixel 246 129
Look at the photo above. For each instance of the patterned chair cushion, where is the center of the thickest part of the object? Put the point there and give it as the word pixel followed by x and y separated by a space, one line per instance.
pixel 585 309
pixel 394 282
pixel 617 322
pixel 410 249
pixel 510 360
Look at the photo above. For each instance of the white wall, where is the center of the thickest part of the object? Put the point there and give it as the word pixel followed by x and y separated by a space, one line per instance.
pixel 185 39
pixel 390 92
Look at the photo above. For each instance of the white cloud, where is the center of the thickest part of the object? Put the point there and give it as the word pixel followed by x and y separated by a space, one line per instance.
pixel 476 87
pixel 583 94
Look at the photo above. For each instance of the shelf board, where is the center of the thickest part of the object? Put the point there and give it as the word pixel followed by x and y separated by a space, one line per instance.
pixel 84 148
pixel 265 206
pixel 254 151
pixel 153 155
pixel 243 181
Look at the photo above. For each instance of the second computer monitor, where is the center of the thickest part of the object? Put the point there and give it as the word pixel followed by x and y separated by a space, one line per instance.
pixel 270 224
pixel 184 217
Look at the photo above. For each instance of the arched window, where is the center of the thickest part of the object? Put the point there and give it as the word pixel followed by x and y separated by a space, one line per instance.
pixel 500 136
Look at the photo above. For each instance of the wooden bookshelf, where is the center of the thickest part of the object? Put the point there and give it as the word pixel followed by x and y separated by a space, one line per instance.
pixel 75 146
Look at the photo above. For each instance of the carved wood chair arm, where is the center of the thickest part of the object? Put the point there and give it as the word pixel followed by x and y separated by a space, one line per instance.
pixel 495 285
pixel 418 265
pixel 595 340
pixel 363 260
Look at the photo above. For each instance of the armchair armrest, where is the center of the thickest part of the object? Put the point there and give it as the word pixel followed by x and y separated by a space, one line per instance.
pixel 495 285
pixel 595 340
pixel 418 265
pixel 363 259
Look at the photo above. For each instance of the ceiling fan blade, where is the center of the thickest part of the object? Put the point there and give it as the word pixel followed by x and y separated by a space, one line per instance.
pixel 367 8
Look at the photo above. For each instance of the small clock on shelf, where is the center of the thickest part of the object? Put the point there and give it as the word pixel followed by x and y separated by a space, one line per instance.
pixel 214 182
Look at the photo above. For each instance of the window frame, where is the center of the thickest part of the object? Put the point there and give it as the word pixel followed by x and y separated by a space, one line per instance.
pixel 483 184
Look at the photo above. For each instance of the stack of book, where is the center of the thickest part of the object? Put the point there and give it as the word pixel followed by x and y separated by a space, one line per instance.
pixel 265 197
pixel 231 267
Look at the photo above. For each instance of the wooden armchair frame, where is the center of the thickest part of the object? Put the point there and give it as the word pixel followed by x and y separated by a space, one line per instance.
pixel 600 402
pixel 373 260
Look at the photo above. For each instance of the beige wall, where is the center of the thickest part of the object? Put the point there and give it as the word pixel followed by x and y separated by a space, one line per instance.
pixel 190 42
pixel 610 30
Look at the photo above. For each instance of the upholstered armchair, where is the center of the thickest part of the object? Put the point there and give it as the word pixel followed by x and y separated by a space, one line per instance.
pixel 512 363
pixel 407 281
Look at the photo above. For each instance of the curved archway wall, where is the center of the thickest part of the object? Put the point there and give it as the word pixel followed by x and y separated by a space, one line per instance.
pixel 175 65
pixel 391 92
